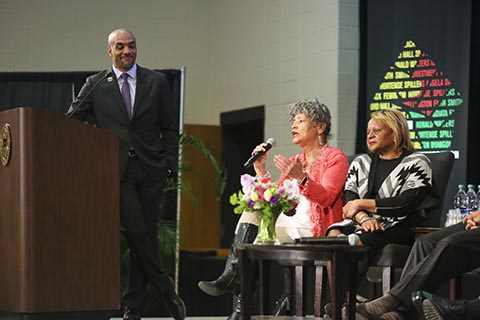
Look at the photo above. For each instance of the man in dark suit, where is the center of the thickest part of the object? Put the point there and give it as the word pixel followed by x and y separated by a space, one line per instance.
pixel 135 104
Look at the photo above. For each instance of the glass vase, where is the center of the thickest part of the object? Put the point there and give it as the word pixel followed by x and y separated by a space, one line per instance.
pixel 266 230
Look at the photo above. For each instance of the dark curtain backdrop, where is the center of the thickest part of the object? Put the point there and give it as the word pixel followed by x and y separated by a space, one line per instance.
pixel 55 90
pixel 473 168
pixel 415 57
pixel 52 90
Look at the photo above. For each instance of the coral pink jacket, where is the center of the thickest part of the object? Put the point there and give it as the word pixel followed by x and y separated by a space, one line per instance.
pixel 324 187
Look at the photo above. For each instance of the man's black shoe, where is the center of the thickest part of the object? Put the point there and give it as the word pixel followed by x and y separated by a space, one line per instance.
pixel 174 304
pixel 131 315
pixel 417 300
pixel 438 308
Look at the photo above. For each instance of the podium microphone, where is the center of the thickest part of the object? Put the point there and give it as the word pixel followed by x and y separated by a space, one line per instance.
pixel 80 103
pixel 269 145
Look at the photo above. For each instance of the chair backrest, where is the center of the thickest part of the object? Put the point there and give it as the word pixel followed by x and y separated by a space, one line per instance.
pixel 442 163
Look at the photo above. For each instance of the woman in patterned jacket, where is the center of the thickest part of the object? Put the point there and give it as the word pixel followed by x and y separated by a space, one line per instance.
pixel 385 188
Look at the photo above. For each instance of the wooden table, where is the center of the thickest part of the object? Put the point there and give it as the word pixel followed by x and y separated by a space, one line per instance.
pixel 344 260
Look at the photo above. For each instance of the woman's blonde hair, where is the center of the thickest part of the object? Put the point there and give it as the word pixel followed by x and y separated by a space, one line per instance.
pixel 394 119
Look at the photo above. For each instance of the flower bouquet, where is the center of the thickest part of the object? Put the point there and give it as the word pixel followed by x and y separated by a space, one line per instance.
pixel 267 200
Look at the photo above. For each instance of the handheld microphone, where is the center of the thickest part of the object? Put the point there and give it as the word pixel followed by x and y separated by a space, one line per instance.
pixel 351 240
pixel 80 103
pixel 270 144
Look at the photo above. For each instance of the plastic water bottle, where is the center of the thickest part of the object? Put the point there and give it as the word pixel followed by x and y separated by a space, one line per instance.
pixel 450 218
pixel 472 201
pixel 453 217
pixel 478 193
pixel 460 201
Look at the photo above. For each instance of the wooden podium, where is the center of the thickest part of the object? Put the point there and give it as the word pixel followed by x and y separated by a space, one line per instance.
pixel 59 218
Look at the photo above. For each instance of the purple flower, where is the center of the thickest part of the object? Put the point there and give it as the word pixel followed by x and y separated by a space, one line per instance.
pixel 291 187
pixel 247 182
pixel 274 200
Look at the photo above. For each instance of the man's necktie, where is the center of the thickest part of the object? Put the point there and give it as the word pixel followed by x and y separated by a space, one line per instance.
pixel 126 94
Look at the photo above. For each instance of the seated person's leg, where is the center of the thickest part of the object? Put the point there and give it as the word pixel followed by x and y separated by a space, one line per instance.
pixel 453 244
pixel 333 233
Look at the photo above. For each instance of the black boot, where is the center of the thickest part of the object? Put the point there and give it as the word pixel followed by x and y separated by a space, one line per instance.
pixel 230 279
pixel 237 303
pixel 237 308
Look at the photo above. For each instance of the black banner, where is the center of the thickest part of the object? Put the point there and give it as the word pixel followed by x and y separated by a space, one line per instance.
pixel 417 60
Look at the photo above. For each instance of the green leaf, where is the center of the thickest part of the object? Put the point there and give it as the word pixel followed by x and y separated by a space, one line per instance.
pixel 187 140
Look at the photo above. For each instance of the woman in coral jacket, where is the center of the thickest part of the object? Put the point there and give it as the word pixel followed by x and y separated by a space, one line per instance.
pixel 320 171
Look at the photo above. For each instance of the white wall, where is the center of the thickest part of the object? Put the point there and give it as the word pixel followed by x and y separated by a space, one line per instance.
pixel 237 53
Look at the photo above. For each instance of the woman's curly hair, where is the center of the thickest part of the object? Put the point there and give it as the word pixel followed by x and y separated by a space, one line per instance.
pixel 315 111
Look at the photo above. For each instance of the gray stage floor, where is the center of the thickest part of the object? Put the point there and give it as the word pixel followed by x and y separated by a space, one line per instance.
pixel 225 317
pixel 188 318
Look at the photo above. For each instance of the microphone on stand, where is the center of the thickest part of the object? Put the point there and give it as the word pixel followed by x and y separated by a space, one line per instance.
pixel 80 103
pixel 269 145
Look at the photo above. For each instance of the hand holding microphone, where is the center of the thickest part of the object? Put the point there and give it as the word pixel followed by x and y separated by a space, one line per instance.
pixel 259 151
